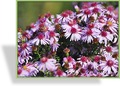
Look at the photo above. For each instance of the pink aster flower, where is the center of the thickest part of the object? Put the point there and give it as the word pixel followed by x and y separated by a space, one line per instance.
pixel 65 16
pixel 110 49
pixel 60 73
pixel 112 24
pixel 84 14
pixel 27 70
pixel 83 61
pixel 110 65
pixel 104 37
pixel 72 31
pixel 35 27
pixel 46 64
pixel 70 61
pixel 24 53
pixel 52 36
pixel 89 34
pixel 40 39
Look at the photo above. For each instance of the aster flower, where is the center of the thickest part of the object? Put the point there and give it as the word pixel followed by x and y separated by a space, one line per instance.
pixel 72 31
pixel 112 25
pixel 52 36
pixel 40 39
pixel 83 61
pixel 60 73
pixel 69 61
pixel 110 49
pixel 110 65
pixel 65 16
pixel 46 64
pixel 24 53
pixel 104 37
pixel 34 27
pixel 89 34
pixel 27 70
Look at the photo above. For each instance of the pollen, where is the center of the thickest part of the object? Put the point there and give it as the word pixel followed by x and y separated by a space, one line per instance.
pixel 109 23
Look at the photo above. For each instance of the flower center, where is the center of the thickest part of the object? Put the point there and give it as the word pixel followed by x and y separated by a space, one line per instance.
pixel 94 4
pixel 59 72
pixel 104 34
pixel 108 49
pixel 110 8
pixel 19 71
pixel 44 59
pixel 82 70
pixel 109 23
pixel 90 67
pixel 52 34
pixel 91 26
pixel 84 59
pixel 69 58
pixel 95 10
pixel 85 5
pixel 87 12
pixel 42 20
pixel 64 14
pixel 89 32
pixel 24 46
pixel 40 36
pixel 110 63
pixel 73 30
pixel 97 58
pixel 25 67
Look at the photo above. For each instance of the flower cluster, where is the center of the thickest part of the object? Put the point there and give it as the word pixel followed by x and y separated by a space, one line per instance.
pixel 71 44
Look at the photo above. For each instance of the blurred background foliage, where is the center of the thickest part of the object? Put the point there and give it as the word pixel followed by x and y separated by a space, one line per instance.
pixel 28 11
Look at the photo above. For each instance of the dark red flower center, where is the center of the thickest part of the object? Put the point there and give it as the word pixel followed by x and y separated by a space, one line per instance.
pixel 44 59
pixel 52 34
pixel 97 58
pixel 69 58
pixel 73 30
pixel 108 49
pixel 24 46
pixel 40 36
pixel 110 8
pixel 104 33
pixel 19 71
pixel 41 25
pixel 59 72
pixel 64 14
pixel 89 32
pixel 82 70
pixel 110 63
pixel 91 26
pixel 84 59
pixel 94 4
pixel 95 10
pixel 87 12
pixel 90 67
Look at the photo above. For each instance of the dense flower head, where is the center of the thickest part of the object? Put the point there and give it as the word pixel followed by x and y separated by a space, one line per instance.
pixel 83 43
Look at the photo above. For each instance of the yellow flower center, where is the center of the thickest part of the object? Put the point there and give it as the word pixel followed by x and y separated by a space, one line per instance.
pixel 25 67
pixel 109 23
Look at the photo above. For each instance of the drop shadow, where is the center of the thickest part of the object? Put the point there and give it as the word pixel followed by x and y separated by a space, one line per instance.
pixel 11 61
